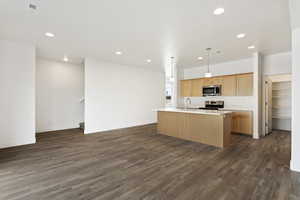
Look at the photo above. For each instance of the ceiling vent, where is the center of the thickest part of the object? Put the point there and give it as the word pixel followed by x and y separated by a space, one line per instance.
pixel 32 6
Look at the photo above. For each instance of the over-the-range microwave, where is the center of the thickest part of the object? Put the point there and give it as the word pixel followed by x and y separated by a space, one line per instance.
pixel 212 90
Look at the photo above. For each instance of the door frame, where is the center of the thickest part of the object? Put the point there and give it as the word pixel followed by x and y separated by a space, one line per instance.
pixel 266 124
pixel 273 78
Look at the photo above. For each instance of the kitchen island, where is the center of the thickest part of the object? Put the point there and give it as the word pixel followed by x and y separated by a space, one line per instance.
pixel 203 126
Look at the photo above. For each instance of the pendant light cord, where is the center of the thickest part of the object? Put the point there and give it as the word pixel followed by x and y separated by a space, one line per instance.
pixel 208 62
pixel 208 59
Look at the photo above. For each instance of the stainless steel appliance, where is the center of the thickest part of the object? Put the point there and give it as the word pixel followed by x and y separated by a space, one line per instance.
pixel 213 105
pixel 213 90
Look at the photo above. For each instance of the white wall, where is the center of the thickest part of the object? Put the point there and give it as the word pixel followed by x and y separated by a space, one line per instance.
pixel 295 24
pixel 280 63
pixel 17 87
pixel 59 89
pixel 295 162
pixel 282 124
pixel 120 96
pixel 295 13
pixel 227 68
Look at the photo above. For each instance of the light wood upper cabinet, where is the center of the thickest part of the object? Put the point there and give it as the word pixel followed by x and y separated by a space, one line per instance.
pixel 197 85
pixel 213 81
pixel 186 88
pixel 232 85
pixel 229 86
pixel 244 85
pixel 207 81
pixel 218 80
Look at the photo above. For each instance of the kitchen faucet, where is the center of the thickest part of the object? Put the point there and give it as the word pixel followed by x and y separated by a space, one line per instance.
pixel 188 102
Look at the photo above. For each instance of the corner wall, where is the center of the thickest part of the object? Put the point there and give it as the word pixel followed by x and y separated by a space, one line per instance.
pixel 119 96
pixel 17 86
pixel 257 95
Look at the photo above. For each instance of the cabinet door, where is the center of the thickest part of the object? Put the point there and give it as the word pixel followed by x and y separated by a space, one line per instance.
pixel 213 81
pixel 218 80
pixel 208 81
pixel 229 86
pixel 242 122
pixel 197 85
pixel 186 88
pixel 245 123
pixel 244 85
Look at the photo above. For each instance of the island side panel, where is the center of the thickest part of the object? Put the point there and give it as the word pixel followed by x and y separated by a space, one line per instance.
pixel 167 123
pixel 227 126
pixel 204 128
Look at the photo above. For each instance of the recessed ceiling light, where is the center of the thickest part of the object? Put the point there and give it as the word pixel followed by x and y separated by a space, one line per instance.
pixel 149 61
pixel 251 47
pixel 241 35
pixel 118 53
pixel 219 11
pixel 66 59
pixel 48 34
pixel 200 58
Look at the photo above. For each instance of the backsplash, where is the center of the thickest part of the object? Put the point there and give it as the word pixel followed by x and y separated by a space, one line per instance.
pixel 229 102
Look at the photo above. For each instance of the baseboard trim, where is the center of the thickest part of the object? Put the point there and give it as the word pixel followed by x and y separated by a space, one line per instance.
pixel 55 131
pixel 33 141
pixel 294 167
pixel 152 127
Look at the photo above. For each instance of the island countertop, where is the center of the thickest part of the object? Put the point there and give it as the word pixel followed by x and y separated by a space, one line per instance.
pixel 194 111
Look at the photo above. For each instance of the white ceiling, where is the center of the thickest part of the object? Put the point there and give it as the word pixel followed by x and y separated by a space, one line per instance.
pixel 147 29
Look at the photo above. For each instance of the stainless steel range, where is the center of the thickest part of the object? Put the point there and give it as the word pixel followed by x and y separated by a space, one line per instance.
pixel 213 105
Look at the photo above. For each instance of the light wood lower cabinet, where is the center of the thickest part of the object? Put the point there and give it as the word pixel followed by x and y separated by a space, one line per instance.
pixel 207 129
pixel 169 124
pixel 242 122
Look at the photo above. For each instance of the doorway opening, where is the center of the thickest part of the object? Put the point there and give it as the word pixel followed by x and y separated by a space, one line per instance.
pixel 277 103
pixel 59 96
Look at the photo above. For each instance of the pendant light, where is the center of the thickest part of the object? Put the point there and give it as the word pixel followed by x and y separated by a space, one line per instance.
pixel 172 69
pixel 208 73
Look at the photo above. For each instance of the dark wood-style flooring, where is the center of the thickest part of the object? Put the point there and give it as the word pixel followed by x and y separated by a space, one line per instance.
pixel 139 164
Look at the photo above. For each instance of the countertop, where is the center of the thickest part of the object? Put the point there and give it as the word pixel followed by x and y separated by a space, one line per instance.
pixel 236 109
pixel 195 111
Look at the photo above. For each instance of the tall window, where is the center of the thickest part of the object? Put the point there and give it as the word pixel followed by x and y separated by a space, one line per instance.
pixel 170 83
